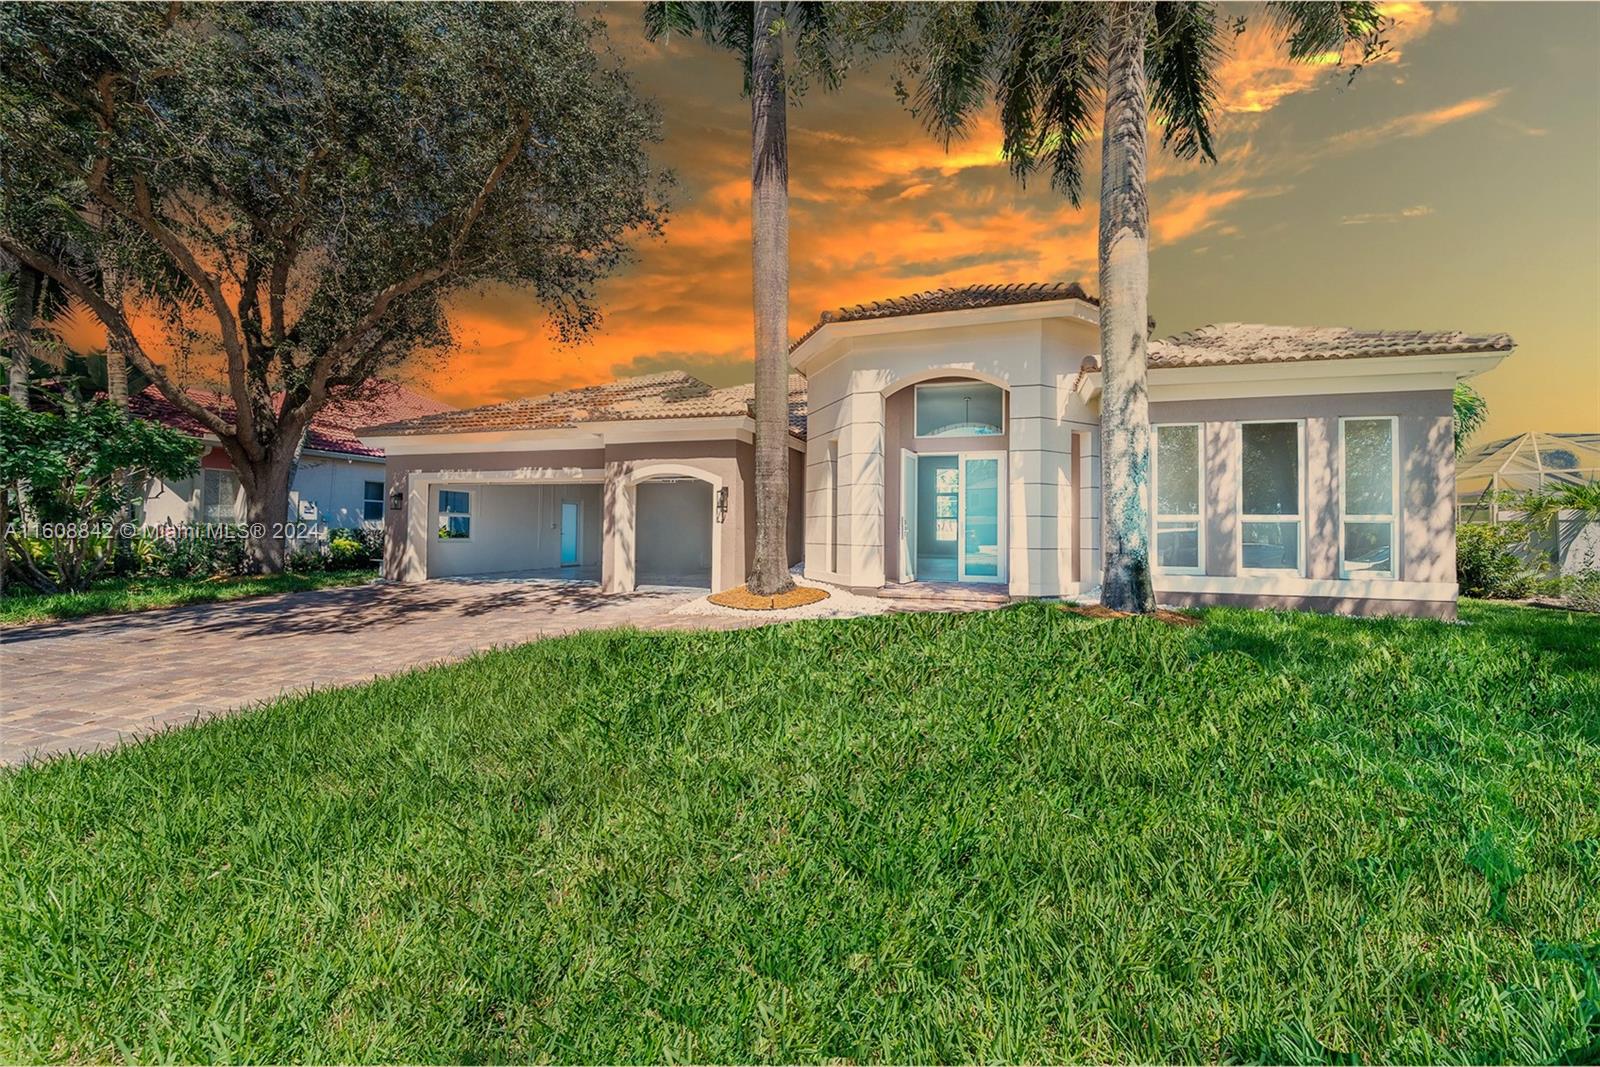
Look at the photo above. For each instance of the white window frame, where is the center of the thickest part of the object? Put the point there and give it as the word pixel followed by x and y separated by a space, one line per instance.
pixel 438 510
pixel 1157 517
pixel 235 512
pixel 1393 518
pixel 1005 411
pixel 1299 516
pixel 382 500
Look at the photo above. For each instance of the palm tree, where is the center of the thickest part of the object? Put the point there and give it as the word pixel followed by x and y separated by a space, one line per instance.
pixel 756 34
pixel 1471 411
pixel 1046 65
pixel 30 303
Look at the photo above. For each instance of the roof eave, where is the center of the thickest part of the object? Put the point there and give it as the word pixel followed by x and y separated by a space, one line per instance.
pixel 1372 373
pixel 806 355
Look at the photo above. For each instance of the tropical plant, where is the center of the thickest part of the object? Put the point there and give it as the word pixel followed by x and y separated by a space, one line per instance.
pixel 1047 66
pixel 65 474
pixel 324 178
pixel 30 303
pixel 1471 411
pixel 757 33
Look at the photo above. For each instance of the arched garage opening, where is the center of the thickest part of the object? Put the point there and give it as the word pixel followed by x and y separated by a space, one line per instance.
pixel 673 543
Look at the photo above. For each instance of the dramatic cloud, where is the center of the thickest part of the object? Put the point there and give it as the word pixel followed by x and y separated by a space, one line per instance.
pixel 1418 211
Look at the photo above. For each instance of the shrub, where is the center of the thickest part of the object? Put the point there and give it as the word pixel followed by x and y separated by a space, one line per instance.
pixel 310 558
pixel 346 552
pixel 1487 560
pixel 66 474
pixel 211 556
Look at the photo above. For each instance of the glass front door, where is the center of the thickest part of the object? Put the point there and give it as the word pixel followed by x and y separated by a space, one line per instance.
pixel 959 532
pixel 982 532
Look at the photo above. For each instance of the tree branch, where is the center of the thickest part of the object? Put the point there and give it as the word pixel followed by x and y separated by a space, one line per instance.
pixel 121 334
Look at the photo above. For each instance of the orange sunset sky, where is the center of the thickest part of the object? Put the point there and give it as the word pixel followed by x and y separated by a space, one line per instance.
pixel 1455 185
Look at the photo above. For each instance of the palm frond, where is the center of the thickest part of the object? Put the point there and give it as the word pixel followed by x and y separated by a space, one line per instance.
pixel 1181 60
pixel 1312 29
pixel 1471 409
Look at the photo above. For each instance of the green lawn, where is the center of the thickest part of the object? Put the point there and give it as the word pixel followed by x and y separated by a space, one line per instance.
pixel 119 595
pixel 1021 835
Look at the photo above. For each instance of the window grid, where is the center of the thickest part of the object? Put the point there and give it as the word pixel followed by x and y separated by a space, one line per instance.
pixel 455 515
pixel 372 501
pixel 1389 518
pixel 1172 520
pixel 1299 516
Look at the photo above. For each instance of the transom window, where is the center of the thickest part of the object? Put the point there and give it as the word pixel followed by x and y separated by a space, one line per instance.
pixel 960 409
pixel 1271 517
pixel 372 501
pixel 1179 535
pixel 1367 497
pixel 455 514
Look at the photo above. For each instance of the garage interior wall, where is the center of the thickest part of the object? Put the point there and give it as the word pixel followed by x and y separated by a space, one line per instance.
pixel 673 536
pixel 514 528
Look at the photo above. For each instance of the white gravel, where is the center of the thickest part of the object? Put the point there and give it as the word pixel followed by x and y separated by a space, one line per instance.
pixel 841 604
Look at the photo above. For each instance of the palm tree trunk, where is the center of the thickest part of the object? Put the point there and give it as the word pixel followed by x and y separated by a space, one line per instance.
pixel 1124 317
pixel 769 218
pixel 20 328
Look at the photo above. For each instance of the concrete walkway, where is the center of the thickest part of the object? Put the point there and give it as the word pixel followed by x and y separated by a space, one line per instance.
pixel 89 684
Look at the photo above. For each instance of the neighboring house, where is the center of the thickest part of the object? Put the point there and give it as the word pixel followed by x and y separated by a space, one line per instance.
pixel 954 436
pixel 642 481
pixel 338 483
pixel 1528 463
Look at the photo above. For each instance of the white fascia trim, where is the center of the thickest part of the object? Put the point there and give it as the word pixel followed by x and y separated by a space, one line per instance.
pixel 520 476
pixel 1290 586
pixel 831 333
pixel 595 435
pixel 1374 374
pixel 486 441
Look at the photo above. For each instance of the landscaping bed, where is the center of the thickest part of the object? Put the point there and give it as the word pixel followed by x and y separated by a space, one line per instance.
pixel 116 596
pixel 1019 835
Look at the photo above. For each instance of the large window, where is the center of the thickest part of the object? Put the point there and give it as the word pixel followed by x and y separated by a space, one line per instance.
pixel 1178 523
pixel 219 496
pixel 960 409
pixel 1367 497
pixel 372 501
pixel 1271 521
pixel 455 515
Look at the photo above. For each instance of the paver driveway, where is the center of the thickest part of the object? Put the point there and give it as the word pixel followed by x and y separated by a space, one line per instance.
pixel 84 685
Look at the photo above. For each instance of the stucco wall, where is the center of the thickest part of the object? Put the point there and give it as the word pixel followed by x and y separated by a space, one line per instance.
pixel 1425 534
pixel 1036 363
pixel 611 475
pixel 404 561
pixel 514 528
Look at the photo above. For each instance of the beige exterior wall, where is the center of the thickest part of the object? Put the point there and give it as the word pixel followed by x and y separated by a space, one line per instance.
pixel 606 478
pixel 853 450
pixel 1424 548
pixel 861 419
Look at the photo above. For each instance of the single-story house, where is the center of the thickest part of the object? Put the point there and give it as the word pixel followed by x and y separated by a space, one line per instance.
pixel 338 483
pixel 643 481
pixel 953 436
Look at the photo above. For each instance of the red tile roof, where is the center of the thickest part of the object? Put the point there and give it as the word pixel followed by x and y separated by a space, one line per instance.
pixel 333 429
pixel 962 299
pixel 670 395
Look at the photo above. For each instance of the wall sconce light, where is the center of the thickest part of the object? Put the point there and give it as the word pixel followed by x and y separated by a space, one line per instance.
pixel 397 499
pixel 722 504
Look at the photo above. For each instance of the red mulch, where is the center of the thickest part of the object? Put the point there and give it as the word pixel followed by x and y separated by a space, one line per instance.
pixel 1099 611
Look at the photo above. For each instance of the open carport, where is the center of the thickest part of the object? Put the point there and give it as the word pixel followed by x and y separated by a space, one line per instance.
pixel 482 529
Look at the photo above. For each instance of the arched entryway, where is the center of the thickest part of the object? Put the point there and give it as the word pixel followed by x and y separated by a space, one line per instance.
pixel 946 479
pixel 673 536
